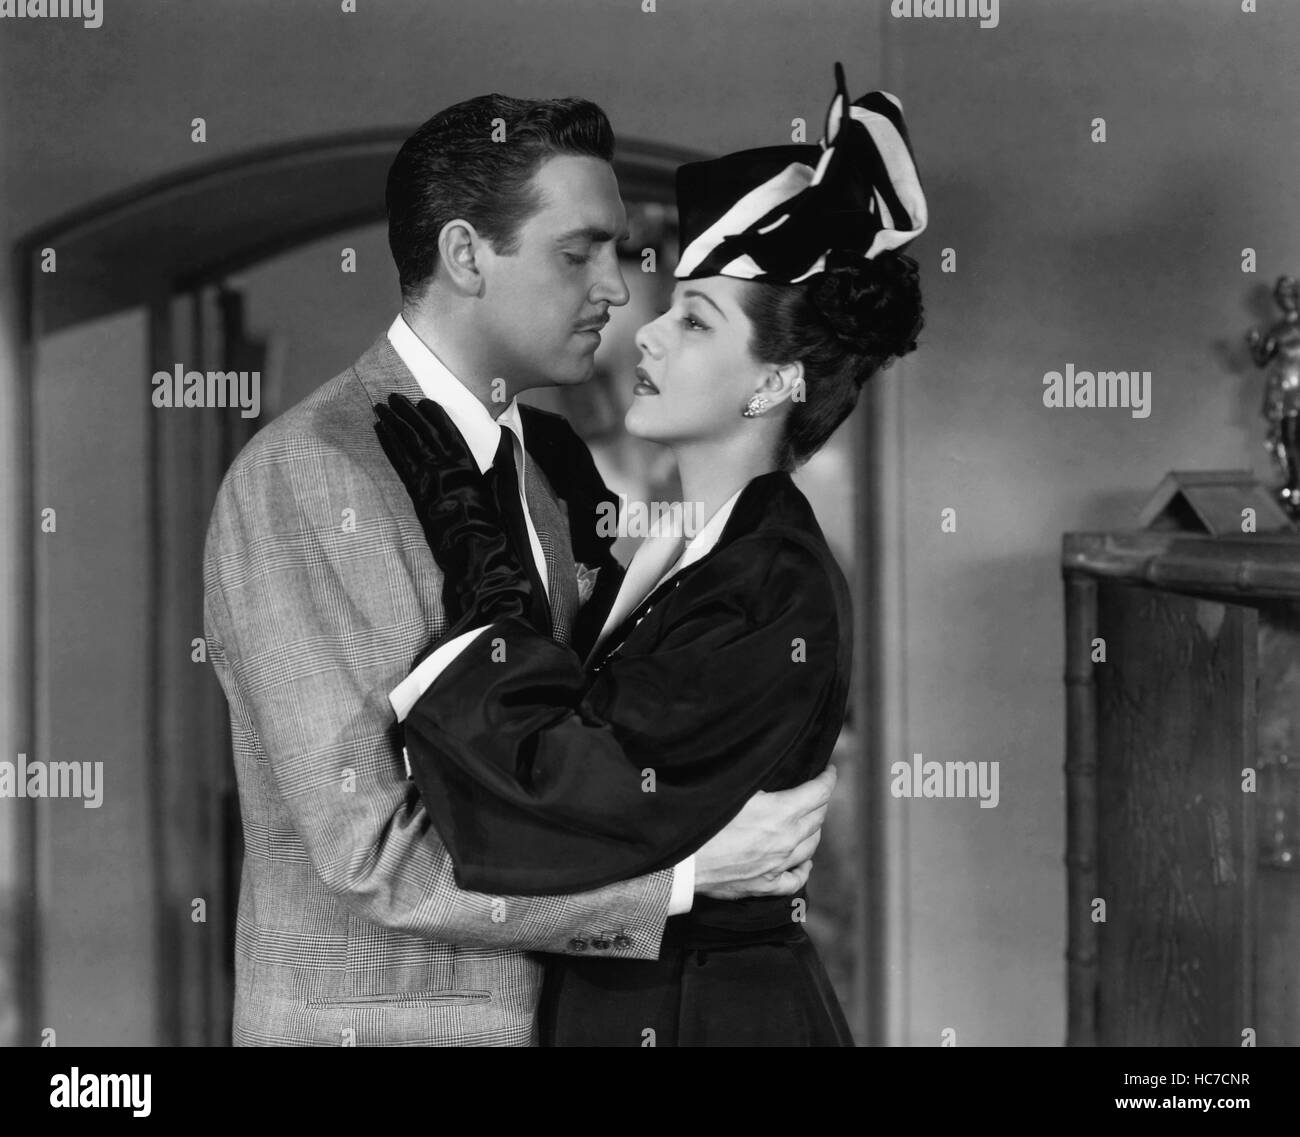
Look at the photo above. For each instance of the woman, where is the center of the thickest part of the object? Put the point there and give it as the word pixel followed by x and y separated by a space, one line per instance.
pixel 723 665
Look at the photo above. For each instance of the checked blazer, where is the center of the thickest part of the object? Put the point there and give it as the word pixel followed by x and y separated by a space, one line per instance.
pixel 319 593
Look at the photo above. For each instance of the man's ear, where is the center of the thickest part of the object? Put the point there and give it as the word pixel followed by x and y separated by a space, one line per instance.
pixel 458 248
pixel 782 384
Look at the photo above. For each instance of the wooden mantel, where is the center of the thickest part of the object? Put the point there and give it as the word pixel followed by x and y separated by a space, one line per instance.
pixel 1238 568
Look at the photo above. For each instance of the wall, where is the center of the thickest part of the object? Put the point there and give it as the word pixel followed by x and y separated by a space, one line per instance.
pixel 1122 255
pixel 11 662
pixel 94 629
pixel 1117 255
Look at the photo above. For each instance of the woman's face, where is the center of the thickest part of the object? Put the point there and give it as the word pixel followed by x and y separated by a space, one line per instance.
pixel 696 373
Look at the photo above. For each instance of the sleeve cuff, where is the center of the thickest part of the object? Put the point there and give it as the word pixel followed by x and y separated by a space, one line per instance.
pixel 683 894
pixel 407 693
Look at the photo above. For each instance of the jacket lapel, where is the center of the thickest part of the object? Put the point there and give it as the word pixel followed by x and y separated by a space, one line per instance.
pixel 568 468
pixel 765 503
pixel 381 372
pixel 654 557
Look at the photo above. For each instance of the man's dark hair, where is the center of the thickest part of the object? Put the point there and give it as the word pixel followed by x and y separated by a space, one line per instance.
pixel 451 167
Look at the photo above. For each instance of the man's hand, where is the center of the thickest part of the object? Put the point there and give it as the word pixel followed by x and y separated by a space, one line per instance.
pixel 767 848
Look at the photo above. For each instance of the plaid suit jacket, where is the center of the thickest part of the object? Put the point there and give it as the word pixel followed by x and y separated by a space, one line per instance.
pixel 319 592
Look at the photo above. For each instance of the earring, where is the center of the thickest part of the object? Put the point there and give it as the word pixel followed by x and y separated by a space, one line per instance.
pixel 755 407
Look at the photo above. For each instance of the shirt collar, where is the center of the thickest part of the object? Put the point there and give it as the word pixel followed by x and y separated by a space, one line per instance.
pixel 467 414
pixel 703 541
pixel 707 537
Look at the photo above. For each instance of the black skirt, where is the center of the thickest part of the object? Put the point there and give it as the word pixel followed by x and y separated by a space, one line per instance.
pixel 709 987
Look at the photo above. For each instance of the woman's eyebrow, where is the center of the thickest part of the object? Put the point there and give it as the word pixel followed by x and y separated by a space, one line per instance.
pixel 708 299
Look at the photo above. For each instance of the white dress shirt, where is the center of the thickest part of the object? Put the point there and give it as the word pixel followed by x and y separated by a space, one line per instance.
pixel 664 552
pixel 480 432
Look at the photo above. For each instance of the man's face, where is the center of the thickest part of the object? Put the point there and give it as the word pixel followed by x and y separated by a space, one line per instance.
pixel 544 304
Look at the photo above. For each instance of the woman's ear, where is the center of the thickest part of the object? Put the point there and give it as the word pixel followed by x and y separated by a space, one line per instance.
pixel 785 383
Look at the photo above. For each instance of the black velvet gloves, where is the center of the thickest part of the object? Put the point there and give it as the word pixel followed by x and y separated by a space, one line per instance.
pixel 483 580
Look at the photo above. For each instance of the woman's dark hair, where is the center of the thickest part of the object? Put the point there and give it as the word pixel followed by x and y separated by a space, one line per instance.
pixel 476 160
pixel 844 325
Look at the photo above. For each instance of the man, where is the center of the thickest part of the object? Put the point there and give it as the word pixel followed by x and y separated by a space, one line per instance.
pixel 321 594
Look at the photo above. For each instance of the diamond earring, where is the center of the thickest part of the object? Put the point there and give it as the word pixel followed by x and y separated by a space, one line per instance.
pixel 755 407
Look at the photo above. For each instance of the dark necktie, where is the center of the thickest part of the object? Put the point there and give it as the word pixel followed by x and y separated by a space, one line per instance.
pixel 552 535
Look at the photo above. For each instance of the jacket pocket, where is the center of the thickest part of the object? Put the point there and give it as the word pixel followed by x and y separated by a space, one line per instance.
pixel 401 999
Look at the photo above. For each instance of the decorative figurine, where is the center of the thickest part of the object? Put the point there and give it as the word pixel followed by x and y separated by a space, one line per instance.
pixel 1280 346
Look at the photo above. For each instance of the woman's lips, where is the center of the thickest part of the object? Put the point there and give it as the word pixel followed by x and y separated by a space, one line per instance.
pixel 644 385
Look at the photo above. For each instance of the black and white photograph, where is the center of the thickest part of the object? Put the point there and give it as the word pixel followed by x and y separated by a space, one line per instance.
pixel 652 524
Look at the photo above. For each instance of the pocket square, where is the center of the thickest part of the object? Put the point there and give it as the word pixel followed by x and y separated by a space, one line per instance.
pixel 586 583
